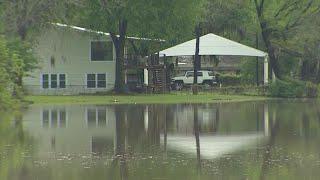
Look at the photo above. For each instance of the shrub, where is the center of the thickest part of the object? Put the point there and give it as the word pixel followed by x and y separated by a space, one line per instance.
pixel 311 90
pixel 287 88
pixel 229 80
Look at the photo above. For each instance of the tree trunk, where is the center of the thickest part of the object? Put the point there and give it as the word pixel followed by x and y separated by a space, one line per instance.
pixel 17 88
pixel 271 52
pixel 197 136
pixel 196 62
pixel 265 32
pixel 119 44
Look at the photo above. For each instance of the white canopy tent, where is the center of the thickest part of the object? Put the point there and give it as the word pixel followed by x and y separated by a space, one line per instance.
pixel 212 44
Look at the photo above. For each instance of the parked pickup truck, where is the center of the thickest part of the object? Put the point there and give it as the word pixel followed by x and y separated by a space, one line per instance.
pixel 204 77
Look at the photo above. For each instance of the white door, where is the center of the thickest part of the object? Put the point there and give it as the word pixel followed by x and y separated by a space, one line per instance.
pixel 200 77
pixel 189 78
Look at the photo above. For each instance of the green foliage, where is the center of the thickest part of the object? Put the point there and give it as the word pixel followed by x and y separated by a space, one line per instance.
pixel 286 29
pixel 247 90
pixel 228 18
pixel 311 90
pixel 249 70
pixel 13 144
pixel 25 18
pixel 5 96
pixel 287 89
pixel 229 80
pixel 165 19
pixel 12 69
pixel 23 56
pixel 5 81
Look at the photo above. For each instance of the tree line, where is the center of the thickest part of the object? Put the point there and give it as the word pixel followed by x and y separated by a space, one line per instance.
pixel 287 29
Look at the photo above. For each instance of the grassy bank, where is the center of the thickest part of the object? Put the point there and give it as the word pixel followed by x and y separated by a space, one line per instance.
pixel 141 99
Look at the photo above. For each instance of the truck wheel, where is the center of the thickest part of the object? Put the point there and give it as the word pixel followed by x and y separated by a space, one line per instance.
pixel 178 85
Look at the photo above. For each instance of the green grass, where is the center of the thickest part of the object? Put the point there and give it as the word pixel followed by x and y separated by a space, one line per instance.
pixel 142 99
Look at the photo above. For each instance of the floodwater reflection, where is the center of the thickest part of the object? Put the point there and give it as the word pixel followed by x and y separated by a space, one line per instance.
pixel 248 140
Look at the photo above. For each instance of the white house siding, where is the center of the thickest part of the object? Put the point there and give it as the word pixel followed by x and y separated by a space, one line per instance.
pixel 72 52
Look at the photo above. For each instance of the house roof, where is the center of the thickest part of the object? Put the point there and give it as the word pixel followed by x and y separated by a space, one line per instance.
pixel 101 33
pixel 212 44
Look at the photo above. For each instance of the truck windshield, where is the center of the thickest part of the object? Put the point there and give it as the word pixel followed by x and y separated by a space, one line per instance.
pixel 190 74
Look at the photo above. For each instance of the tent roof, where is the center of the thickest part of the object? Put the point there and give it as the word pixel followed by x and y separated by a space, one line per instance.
pixel 212 44
pixel 213 146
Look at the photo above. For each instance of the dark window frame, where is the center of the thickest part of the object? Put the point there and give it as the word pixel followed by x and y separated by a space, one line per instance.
pixel 106 54
pixel 97 80
pixel 200 74
pixel 91 82
pixel 45 83
pixel 53 81
pixel 101 82
pixel 62 81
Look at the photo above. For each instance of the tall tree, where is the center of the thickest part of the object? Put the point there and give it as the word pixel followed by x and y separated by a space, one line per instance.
pixel 23 19
pixel 146 18
pixel 24 16
pixel 281 23
pixel 229 18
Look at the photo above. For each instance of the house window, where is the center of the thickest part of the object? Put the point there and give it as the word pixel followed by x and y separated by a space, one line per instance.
pixel 54 118
pixel 45 81
pixel 101 51
pixel 96 117
pixel 96 81
pixel 62 81
pixel 101 83
pixel 91 80
pixel 53 81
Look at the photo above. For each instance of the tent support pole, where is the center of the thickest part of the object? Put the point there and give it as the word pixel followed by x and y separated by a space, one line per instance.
pixel 266 71
pixel 266 119
pixel 273 76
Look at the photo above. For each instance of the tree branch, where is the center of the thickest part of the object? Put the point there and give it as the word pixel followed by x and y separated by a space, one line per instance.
pixel 285 7
pixel 114 38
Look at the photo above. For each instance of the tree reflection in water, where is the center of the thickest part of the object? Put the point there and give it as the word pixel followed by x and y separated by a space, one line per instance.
pixel 196 134
pixel 120 144
pixel 13 147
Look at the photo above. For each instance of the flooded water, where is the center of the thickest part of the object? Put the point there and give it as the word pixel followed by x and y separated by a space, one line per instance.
pixel 247 140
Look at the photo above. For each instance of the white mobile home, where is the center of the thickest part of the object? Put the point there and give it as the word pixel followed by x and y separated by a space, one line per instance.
pixel 72 60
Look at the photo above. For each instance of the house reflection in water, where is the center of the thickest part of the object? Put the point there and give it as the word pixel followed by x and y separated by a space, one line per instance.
pixel 70 129
pixel 53 118
pixel 93 129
